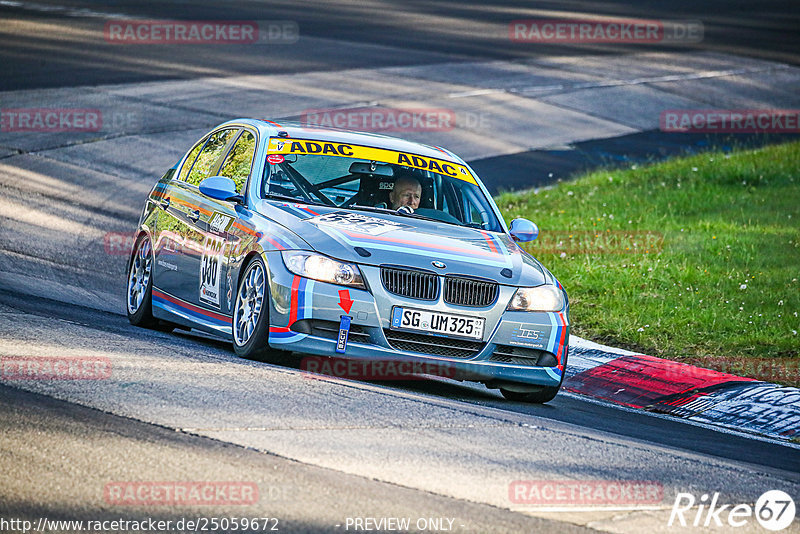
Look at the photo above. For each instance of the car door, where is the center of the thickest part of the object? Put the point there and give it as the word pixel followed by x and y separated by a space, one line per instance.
pixel 221 235
pixel 170 227
pixel 182 235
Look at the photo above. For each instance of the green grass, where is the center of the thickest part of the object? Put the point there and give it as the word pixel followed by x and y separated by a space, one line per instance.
pixel 723 284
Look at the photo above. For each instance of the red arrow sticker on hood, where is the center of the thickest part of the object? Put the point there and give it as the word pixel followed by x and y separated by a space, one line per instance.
pixel 345 302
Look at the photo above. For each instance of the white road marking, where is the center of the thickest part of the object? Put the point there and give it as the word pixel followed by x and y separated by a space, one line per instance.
pixel 63 10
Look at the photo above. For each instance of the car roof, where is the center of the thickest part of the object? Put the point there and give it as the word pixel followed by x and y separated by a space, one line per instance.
pixel 297 130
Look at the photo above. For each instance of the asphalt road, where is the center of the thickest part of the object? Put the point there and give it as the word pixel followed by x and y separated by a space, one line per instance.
pixel 334 448
pixel 633 425
pixel 56 43
pixel 97 449
pixel 183 407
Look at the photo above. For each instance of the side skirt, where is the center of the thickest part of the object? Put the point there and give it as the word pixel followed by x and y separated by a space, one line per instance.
pixel 171 308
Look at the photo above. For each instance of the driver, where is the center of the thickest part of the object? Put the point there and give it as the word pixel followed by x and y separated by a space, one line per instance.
pixel 407 192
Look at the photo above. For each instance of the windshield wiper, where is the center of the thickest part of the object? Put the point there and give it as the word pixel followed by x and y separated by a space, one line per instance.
pixel 277 196
pixel 417 216
pixel 390 211
pixel 370 208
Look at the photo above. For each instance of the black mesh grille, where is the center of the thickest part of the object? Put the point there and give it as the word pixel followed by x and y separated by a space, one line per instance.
pixel 330 330
pixel 412 284
pixel 433 345
pixel 521 356
pixel 469 292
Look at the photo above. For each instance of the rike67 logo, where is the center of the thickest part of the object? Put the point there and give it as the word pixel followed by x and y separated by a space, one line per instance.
pixel 774 510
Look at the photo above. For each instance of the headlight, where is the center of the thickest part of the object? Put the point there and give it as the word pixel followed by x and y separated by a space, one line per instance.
pixel 322 268
pixel 544 298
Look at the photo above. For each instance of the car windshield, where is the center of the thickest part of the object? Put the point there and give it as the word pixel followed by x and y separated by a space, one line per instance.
pixel 370 185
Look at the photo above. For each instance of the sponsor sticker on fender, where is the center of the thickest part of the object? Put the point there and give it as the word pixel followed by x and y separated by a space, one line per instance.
pixel 219 223
pixel 325 148
pixel 530 335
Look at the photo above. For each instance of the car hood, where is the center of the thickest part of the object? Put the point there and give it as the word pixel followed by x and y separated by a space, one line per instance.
pixel 370 238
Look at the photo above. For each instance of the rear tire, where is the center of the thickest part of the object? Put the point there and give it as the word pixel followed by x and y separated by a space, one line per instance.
pixel 251 312
pixel 140 285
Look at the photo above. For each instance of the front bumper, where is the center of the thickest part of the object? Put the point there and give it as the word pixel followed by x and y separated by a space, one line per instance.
pixel 520 347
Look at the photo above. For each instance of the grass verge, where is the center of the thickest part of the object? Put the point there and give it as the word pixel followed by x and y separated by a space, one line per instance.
pixel 695 259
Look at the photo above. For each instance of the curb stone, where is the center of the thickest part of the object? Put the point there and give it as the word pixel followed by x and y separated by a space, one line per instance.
pixel 686 391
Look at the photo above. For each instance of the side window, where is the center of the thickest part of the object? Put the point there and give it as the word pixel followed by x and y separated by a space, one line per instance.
pixel 208 156
pixel 240 160
pixel 476 217
pixel 187 164
pixel 452 201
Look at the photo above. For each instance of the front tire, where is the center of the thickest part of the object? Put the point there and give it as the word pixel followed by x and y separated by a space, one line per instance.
pixel 546 394
pixel 540 396
pixel 251 311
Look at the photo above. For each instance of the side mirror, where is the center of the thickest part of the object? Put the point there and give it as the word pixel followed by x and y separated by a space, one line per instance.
pixel 220 188
pixel 523 230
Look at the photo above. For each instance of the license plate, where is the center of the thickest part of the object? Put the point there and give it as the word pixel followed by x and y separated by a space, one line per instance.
pixel 438 323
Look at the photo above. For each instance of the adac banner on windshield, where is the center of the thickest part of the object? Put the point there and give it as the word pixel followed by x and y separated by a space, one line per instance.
pixel 382 155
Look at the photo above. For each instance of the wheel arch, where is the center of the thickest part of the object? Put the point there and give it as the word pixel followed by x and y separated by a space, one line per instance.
pixel 246 261
pixel 142 231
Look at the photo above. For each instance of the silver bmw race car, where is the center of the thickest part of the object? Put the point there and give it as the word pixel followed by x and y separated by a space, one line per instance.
pixel 351 245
